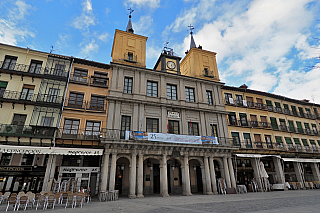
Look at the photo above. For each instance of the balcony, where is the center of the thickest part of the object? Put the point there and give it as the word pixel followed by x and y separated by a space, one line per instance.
pixel 26 131
pixel 81 80
pixel 37 99
pixel 130 58
pixel 99 81
pixel 85 105
pixel 78 134
pixel 208 74
pixel 43 72
pixel 270 108
pixel 259 145
pixel 254 124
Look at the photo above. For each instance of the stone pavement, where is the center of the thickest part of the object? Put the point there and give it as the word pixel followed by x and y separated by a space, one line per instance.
pixel 282 201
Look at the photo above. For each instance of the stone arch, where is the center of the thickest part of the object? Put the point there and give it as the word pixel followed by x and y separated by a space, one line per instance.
pixel 124 156
pixel 199 159
pixel 197 176
pixel 220 172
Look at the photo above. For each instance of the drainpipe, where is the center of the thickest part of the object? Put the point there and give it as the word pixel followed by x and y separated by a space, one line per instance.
pixel 54 136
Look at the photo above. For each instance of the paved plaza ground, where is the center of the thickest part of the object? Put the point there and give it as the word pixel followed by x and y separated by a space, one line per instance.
pixel 288 201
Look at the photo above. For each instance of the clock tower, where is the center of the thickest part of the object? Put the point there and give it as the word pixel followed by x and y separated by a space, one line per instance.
pixel 168 62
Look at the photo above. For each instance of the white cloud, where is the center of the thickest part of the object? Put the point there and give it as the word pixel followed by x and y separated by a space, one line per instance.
pixel 143 26
pixel 253 43
pixel 145 3
pixel 103 37
pixel 86 18
pixel 11 28
pixel 90 47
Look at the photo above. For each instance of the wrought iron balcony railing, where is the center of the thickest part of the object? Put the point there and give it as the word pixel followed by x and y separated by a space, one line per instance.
pixel 30 97
pixel 78 79
pixel 26 131
pixel 85 105
pixel 32 70
pixel 99 81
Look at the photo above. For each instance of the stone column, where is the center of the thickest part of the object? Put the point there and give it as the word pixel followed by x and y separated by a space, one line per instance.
pixel 213 176
pixel 53 169
pixel 133 175
pixel 204 183
pixel 164 177
pixel 279 172
pixel 298 170
pixel 208 178
pixel 226 172
pixel 256 171
pixel 187 185
pixel 315 171
pixel 46 176
pixel 113 168
pixel 233 180
pixel 104 171
pixel 140 177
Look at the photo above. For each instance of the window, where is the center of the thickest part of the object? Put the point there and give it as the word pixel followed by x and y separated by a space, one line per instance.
pixel 35 66
pixel 305 144
pixel 291 126
pixel 209 97
pixel 259 103
pixel 47 121
pixel 71 126
pixel 27 159
pixel 232 118
pixel 127 85
pixel 80 73
pixel 247 140
pixel 9 62
pixel 76 100
pixel 173 127
pixel 301 112
pixel 27 92
pixel 243 119
pixel 93 128
pixel 307 128
pixel 314 129
pixel 171 92
pixel 299 127
pixel 297 143
pixel 59 69
pixel 152 89
pixel 228 98
pixel 190 94
pixel 235 138
pixel 278 106
pixel 269 105
pixel 253 121
pixel 268 141
pixel 97 103
pixel 5 159
pixel 3 86
pixel 193 128
pixel 53 95
pixel 282 125
pixel 279 141
pixel 250 102
pixel 257 141
pixel 125 125
pixel 100 79
pixel 239 100
pixel 130 56
pixel 294 110
pixel 316 112
pixel 214 130
pixel 274 123
pixel 286 108
pixel 152 125
pixel 19 119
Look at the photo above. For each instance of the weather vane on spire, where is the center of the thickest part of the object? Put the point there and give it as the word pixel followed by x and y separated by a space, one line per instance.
pixel 130 11
pixel 191 28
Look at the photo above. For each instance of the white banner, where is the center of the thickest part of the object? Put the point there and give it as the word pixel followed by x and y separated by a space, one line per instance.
pixel 173 138
pixel 69 169
pixel 302 160
pixel 49 150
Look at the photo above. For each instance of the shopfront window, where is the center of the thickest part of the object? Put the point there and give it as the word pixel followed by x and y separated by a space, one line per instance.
pixel 27 160
pixel 91 161
pixel 71 160
pixel 5 159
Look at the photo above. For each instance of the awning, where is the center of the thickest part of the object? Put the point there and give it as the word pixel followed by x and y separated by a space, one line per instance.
pixel 256 155
pixel 302 160
pixel 49 150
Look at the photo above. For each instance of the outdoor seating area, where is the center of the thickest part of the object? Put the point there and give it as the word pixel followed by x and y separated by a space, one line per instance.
pixel 43 200
pixel 109 195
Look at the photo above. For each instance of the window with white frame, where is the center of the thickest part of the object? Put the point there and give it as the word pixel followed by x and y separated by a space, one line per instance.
pixel 209 97
pixel 190 94
pixel 152 88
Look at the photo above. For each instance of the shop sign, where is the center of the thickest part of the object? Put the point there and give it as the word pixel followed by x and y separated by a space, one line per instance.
pixel 79 169
pixel 14 169
pixel 172 114
pixel 48 150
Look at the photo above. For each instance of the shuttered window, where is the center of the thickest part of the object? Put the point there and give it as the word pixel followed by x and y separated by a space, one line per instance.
pixel 288 140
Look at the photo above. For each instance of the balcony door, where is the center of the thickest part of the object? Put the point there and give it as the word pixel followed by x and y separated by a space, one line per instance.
pixel 27 92
pixel 247 140
pixel 236 139
pixel 71 127
pixel 19 121
pixel 254 122
pixel 243 119
pixel 53 95
pixel 76 100
pixel 232 118
pixel 92 129
pixel 239 100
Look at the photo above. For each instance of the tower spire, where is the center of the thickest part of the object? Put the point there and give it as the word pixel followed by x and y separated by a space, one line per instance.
pixel 192 43
pixel 129 25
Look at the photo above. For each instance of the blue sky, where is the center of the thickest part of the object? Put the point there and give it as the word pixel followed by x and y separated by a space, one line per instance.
pixel 270 45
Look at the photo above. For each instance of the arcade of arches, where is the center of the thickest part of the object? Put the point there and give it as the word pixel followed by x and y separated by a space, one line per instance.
pixel 165 169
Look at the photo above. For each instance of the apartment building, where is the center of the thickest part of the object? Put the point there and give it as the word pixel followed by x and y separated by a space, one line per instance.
pixel 280 132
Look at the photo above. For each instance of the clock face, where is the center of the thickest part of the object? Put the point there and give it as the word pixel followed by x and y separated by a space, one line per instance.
pixel 171 65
